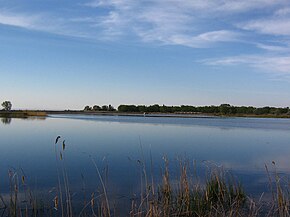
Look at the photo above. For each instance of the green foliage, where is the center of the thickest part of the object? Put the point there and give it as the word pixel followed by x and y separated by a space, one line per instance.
pixel 98 108
pixel 87 108
pixel 128 108
pixel 7 105
pixel 223 109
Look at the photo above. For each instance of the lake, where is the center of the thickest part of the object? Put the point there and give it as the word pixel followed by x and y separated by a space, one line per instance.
pixel 117 144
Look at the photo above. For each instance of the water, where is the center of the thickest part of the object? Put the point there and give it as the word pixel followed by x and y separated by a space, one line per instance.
pixel 241 145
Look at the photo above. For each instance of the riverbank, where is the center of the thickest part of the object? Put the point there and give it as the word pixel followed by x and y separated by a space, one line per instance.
pixel 45 113
pixel 157 114
pixel 22 114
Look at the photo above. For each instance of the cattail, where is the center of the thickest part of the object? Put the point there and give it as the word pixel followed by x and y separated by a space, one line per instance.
pixel 63 145
pixel 23 179
pixel 55 200
pixel 57 138
pixel 93 199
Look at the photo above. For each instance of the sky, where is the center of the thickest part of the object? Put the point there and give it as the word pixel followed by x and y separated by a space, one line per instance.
pixel 66 54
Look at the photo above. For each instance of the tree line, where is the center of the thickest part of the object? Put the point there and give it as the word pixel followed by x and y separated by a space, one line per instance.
pixel 225 109
pixel 99 108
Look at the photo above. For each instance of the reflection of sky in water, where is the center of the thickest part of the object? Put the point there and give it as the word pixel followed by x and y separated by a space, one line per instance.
pixel 239 144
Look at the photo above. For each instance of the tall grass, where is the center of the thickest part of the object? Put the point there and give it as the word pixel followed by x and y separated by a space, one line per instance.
pixel 220 195
pixel 175 192
pixel 21 200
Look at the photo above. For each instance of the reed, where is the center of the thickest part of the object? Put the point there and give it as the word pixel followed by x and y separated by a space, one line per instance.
pixel 22 114
pixel 219 196
pixel 182 192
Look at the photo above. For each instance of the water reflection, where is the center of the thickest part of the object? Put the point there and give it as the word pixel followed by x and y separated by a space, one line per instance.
pixel 243 148
pixel 6 120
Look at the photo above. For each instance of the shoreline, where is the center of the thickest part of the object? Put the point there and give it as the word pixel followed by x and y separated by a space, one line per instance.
pixel 45 113
pixel 168 115
pixel 22 114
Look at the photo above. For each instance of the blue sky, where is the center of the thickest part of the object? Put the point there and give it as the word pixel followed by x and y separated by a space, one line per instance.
pixel 68 54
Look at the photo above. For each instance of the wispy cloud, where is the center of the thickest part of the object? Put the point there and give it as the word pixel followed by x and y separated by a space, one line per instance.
pixel 274 26
pixel 196 24
pixel 197 5
pixel 183 22
pixel 277 24
pixel 171 22
pixel 246 5
pixel 279 65
pixel 205 39
pixel 40 22
pixel 24 21
pixel 121 4
pixel 274 48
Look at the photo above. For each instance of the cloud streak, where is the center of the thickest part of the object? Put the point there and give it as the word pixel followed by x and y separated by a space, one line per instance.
pixel 40 22
pixel 24 21
pixel 274 26
pixel 195 24
pixel 174 22
pixel 280 65
pixel 203 40
pixel 182 22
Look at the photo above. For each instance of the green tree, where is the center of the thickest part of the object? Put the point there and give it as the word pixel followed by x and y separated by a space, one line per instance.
pixel 154 108
pixel 7 105
pixel 225 109
pixel 111 108
pixel 142 108
pixel 105 108
pixel 87 108
pixel 96 108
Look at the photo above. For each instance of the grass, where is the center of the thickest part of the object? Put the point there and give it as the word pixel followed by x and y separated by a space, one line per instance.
pixel 22 114
pixel 176 193
pixel 218 196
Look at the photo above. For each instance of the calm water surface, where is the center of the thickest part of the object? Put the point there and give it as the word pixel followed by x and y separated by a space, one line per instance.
pixel 241 145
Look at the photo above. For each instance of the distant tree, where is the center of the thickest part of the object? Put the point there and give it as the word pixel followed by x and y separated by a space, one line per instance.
pixel 262 111
pixel 186 108
pixel 242 110
pixel 279 111
pixel 122 108
pixel 7 105
pixel 128 108
pixel 87 108
pixel 141 108
pixel 225 109
pixel 105 108
pixel 176 109
pixel 96 108
pixel 111 108
pixel 154 108
pixel 166 109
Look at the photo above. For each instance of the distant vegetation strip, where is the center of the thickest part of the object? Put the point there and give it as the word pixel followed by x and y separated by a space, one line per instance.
pixel 223 109
pixel 22 114
pixel 213 110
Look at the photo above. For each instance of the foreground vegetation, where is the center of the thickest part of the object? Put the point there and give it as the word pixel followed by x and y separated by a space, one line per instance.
pixel 185 194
